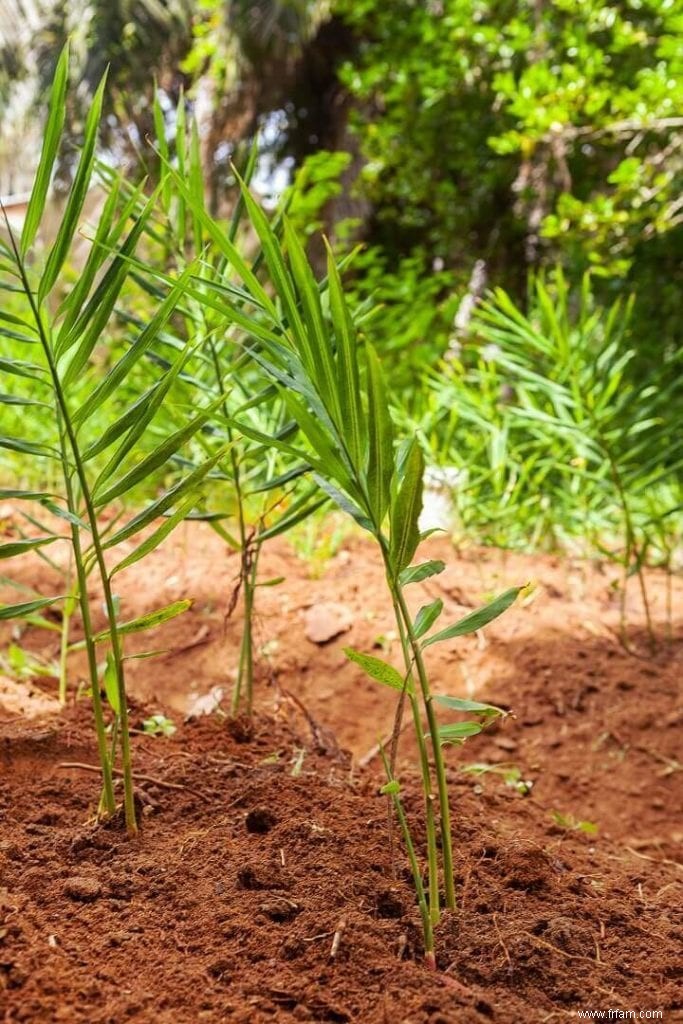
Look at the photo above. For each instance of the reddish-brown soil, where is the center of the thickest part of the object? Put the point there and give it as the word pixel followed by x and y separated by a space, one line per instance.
pixel 259 845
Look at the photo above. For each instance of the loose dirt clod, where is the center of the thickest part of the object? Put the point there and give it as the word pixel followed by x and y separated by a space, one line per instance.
pixel 85 890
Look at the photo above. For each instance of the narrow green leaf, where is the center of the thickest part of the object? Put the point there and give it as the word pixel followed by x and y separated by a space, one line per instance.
pixel 318 337
pixel 460 704
pixel 347 367
pixel 378 669
pixel 51 139
pixel 427 616
pixel 19 368
pixel 344 502
pixel 160 534
pixel 381 450
pixel 458 732
pixel 73 303
pixel 165 501
pixel 145 416
pixel 196 182
pixel 406 506
pixel 476 620
pixel 74 205
pixel 92 322
pixel 324 447
pixel 18 547
pixel 418 573
pixel 281 281
pixel 111 685
pixel 162 145
pixel 156 458
pixel 15 444
pixel 119 372
pixel 20 611
pixel 142 623
pixel 6 399
pixel 10 494
pixel 124 422
pixel 223 244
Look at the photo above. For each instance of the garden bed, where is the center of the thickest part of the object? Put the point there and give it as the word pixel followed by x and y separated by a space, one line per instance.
pixel 264 885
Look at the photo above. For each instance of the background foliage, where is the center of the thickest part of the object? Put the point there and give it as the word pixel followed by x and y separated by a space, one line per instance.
pixel 468 145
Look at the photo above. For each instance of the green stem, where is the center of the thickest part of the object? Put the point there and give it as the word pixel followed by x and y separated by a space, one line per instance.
pixel 437 753
pixel 89 632
pixel 245 672
pixel 246 660
pixel 427 922
pixel 67 426
pixel 67 612
pixel 430 818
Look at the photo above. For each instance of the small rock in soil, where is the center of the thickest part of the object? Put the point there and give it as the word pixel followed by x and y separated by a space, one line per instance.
pixel 327 620
pixel 83 889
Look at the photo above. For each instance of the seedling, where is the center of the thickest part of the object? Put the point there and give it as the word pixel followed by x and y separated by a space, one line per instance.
pixel 333 388
pixel 158 725
pixel 510 773
pixel 572 824
pixel 94 443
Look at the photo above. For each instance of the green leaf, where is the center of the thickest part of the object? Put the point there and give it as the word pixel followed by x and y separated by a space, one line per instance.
pixel 119 372
pixel 140 624
pixel 379 670
pixel 392 788
pixel 166 500
pixel 157 458
pixel 18 547
pixel 110 683
pixel 458 732
pixel 427 616
pixel 344 503
pixel 74 205
pixel 223 244
pixel 319 341
pixel 19 368
pixel 8 494
pixel 405 510
pixel 124 422
pixel 92 321
pixel 347 366
pixel 418 573
pixel 6 399
pixel 51 139
pixel 381 435
pixel 20 611
pixel 15 444
pixel 72 304
pixel 477 620
pixel 460 704
pixel 153 541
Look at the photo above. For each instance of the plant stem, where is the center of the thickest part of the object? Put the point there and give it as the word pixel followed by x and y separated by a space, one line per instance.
pixel 427 922
pixel 439 766
pixel 245 671
pixel 430 821
pixel 67 426
pixel 67 612
pixel 89 632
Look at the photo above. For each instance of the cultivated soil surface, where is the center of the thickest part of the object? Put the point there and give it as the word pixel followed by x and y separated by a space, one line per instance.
pixel 265 846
